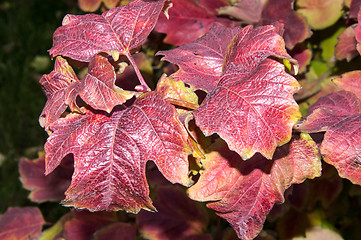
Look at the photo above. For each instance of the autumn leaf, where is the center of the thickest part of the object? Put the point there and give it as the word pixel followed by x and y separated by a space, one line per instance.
pixel 243 192
pixel 115 32
pixel 200 62
pixel 251 113
pixel 339 114
pixel 61 90
pixel 350 81
pixel 178 217
pixel 346 47
pixel 21 223
pixel 110 153
pixel 354 8
pixel 45 188
pixel 97 89
pixel 190 20
pixel 282 11
pixel 248 11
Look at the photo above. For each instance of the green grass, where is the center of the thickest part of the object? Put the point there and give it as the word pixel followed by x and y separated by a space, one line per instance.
pixel 26 32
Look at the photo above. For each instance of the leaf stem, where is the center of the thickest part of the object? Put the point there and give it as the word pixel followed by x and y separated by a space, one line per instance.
pixel 139 75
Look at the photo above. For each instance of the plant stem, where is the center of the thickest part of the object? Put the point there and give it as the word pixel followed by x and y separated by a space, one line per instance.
pixel 139 75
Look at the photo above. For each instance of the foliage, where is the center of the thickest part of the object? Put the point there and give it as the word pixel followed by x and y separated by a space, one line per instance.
pixel 223 119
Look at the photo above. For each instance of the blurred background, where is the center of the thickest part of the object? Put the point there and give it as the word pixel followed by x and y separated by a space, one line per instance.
pixel 26 29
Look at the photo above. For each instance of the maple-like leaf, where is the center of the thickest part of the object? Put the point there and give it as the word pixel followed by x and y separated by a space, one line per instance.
pixel 187 22
pixel 346 47
pixel 178 217
pixel 253 113
pixel 243 192
pixel 200 62
pixel 21 223
pixel 320 13
pixel 97 89
pixel 115 32
pixel 282 11
pixel 45 188
pixel 339 114
pixel 110 153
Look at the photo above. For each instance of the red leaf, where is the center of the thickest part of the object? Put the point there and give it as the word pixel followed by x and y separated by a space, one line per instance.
pixel 253 45
pixel 350 81
pixel 178 217
pixel 243 192
pixel 282 11
pixel 339 114
pixel 98 89
pixel 110 153
pixel 329 110
pixel 358 33
pixel 248 11
pixel 354 8
pixel 45 188
pixel 200 61
pixel 21 223
pixel 188 19
pixel 252 111
pixel 62 87
pixel 346 45
pixel 115 32
pixel 341 147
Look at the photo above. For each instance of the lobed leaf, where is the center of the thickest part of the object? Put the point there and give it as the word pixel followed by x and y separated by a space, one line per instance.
pixel 190 21
pixel 252 112
pixel 110 153
pixel 200 62
pixel 243 192
pixel 115 32
pixel 21 223
pixel 97 89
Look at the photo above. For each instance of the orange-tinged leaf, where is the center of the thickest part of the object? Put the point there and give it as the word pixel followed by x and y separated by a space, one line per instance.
pixel 110 153
pixel 89 5
pixel 350 81
pixel 320 13
pixel 21 223
pixel 115 32
pixel 243 192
